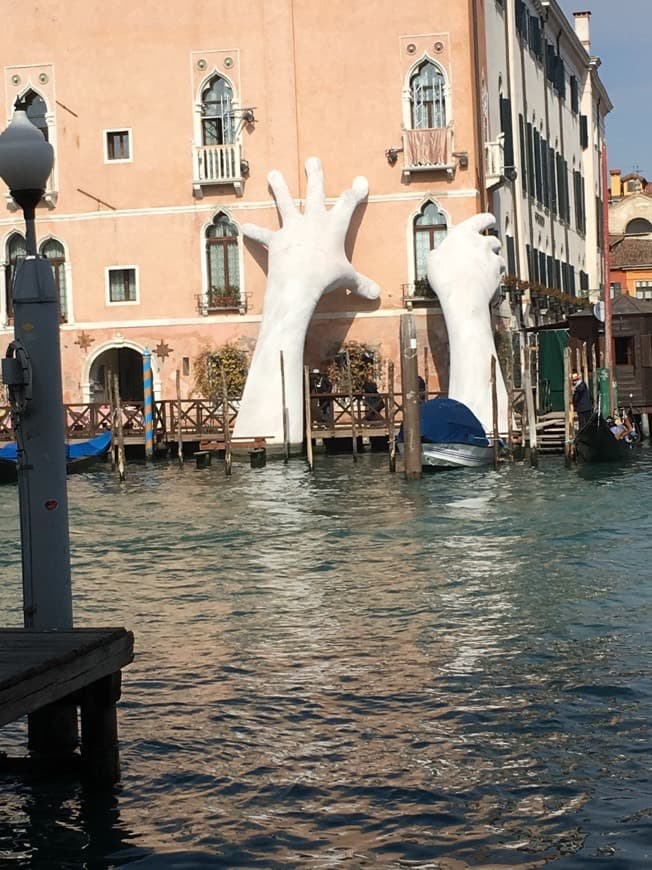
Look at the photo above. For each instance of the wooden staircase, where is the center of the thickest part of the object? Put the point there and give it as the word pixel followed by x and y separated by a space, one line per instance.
pixel 551 432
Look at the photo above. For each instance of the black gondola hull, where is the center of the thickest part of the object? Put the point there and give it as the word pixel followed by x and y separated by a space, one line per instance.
pixel 595 443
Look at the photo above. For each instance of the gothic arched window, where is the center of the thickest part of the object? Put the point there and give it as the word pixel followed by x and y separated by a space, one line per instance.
pixel 217 118
pixel 427 101
pixel 222 262
pixel 54 252
pixel 430 230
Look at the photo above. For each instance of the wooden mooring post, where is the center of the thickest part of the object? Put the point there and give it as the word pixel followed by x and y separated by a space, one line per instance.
pixel 179 411
pixel 391 427
pixel 532 451
pixel 409 375
pixel 284 410
pixel 308 417
pixel 568 408
pixel 494 413
pixel 119 430
pixel 228 455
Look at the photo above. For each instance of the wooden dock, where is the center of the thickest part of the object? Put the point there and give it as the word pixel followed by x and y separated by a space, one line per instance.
pixel 44 671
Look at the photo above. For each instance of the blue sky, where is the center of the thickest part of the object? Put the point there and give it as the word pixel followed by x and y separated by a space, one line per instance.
pixel 620 37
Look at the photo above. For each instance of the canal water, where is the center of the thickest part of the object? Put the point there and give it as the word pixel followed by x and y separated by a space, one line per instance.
pixel 347 669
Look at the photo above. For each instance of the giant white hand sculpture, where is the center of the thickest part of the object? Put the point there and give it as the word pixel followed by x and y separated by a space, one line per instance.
pixel 306 260
pixel 464 271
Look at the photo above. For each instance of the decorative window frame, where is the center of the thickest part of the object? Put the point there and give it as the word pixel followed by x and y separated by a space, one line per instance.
pixel 409 235
pixel 107 285
pixel 70 313
pixel 203 300
pixel 426 57
pixel 416 50
pixel 204 66
pixel 39 78
pixel 105 142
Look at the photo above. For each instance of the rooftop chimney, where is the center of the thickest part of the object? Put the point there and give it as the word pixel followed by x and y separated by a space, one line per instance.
pixel 583 29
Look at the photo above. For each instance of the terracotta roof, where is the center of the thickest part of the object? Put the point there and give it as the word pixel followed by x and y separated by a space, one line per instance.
pixel 629 252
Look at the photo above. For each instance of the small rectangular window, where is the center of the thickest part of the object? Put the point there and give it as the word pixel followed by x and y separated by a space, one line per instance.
pixel 117 145
pixel 122 284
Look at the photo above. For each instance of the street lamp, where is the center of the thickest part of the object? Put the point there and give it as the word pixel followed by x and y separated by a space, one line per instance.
pixel 32 373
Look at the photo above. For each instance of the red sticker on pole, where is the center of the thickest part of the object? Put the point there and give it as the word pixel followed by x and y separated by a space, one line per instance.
pixel 51 504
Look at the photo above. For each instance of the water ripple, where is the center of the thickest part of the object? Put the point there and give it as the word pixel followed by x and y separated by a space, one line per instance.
pixel 350 668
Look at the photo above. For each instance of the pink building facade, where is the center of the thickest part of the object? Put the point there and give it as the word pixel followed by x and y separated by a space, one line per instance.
pixel 165 125
pixel 166 119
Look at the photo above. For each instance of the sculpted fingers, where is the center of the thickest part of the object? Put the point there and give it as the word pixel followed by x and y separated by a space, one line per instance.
pixel 315 187
pixel 348 201
pixel 479 223
pixel 284 201
pixel 364 286
pixel 258 234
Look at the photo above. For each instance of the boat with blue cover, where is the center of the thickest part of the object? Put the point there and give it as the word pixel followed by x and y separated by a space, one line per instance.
pixel 451 436
pixel 80 456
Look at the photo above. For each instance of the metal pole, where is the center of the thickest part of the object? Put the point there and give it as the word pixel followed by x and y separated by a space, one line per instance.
pixel 148 404
pixel 39 423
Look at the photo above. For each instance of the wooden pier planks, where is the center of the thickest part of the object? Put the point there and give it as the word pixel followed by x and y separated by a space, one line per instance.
pixel 40 667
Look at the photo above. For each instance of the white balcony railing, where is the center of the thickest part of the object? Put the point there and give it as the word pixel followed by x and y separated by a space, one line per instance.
pixel 494 156
pixel 217 164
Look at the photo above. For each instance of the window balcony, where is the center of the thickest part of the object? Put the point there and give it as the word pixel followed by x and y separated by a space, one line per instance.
pixel 220 300
pixel 218 164
pixel 419 294
pixel 429 150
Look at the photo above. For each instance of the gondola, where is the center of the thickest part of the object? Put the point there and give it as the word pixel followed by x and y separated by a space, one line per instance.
pixel 595 442
pixel 80 456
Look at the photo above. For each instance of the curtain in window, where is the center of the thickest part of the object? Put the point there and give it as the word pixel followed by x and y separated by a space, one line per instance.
pixel 429 232
pixel 222 258
pixel 427 97
pixel 426 147
pixel 122 285
pixel 53 251
pixel 217 120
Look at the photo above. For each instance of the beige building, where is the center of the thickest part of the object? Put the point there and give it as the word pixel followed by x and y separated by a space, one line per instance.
pixel 165 120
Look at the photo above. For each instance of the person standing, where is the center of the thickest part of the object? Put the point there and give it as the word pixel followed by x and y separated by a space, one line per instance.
pixel 581 400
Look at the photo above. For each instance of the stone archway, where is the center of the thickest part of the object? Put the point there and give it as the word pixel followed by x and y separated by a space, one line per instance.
pixel 124 359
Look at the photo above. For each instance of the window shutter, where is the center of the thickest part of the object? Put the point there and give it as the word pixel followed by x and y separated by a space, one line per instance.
pixel 584 131
pixel 545 173
pixel 511 255
pixel 553 180
pixel 530 161
pixel 521 130
pixel 537 166
pixel 506 128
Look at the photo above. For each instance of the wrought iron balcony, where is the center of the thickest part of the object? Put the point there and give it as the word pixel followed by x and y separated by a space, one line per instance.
pixel 419 293
pixel 220 299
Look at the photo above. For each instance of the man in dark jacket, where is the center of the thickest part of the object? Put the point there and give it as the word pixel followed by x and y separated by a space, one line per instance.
pixel 581 400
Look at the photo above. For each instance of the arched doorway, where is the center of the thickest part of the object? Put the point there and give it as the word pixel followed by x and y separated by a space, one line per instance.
pixel 127 363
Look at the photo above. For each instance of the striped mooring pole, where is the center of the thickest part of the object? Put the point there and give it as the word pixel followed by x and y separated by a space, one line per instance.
pixel 148 404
